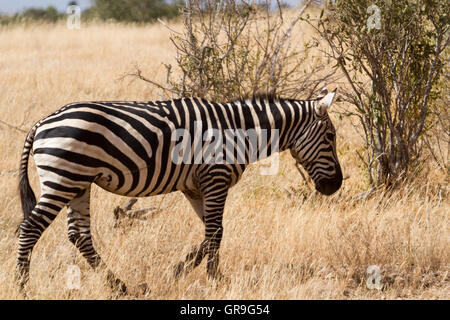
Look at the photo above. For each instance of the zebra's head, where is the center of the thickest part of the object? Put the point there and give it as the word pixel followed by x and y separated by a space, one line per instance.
pixel 315 147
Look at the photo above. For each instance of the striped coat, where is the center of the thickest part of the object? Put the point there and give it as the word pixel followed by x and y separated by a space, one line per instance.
pixel 139 149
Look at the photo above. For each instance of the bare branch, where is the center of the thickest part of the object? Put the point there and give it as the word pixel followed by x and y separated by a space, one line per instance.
pixel 13 127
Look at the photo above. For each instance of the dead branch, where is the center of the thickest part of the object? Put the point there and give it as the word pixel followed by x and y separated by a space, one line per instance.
pixel 230 49
pixel 13 127
pixel 140 214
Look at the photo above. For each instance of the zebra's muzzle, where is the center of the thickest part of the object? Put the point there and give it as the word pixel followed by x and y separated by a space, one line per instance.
pixel 328 186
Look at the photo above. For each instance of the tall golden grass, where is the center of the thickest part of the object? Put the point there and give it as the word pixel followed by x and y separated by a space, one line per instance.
pixel 281 240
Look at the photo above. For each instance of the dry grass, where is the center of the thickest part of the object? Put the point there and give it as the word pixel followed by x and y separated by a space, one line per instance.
pixel 278 244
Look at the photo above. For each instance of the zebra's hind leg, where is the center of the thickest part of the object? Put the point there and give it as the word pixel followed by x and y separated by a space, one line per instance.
pixel 79 232
pixel 31 229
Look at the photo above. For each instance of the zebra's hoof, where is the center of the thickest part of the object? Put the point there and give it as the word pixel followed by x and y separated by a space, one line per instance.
pixel 116 284
pixel 119 287
pixel 143 289
pixel 22 276
pixel 217 276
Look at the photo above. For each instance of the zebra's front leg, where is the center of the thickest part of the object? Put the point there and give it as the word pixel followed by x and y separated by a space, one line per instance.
pixel 210 246
pixel 79 232
pixel 195 257
pixel 212 266
pixel 215 195
pixel 209 207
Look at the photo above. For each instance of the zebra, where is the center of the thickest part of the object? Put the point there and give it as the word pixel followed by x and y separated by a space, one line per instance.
pixel 125 147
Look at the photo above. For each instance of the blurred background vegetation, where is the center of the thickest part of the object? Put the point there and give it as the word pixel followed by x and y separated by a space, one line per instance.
pixel 140 11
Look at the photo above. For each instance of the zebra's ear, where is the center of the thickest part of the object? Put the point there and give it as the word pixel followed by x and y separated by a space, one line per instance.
pixel 324 103
pixel 323 92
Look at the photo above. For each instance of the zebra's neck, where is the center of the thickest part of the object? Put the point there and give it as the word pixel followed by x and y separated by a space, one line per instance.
pixel 276 123
pixel 287 118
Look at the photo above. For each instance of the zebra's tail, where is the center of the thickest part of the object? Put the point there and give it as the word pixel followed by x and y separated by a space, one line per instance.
pixel 27 197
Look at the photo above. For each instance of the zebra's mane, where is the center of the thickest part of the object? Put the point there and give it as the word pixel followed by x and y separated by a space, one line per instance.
pixel 269 97
pixel 242 99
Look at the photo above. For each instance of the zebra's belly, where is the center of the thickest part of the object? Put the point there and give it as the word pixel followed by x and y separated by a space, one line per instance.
pixel 105 184
pixel 148 182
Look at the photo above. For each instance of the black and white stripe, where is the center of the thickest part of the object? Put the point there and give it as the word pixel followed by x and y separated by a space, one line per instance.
pixel 126 148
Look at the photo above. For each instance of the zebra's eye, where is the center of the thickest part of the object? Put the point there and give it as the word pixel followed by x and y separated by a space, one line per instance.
pixel 330 136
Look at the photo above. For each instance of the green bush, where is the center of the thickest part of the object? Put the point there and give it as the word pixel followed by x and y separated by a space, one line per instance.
pixel 391 53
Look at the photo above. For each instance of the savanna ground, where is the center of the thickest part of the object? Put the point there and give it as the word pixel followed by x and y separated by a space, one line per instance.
pixel 281 240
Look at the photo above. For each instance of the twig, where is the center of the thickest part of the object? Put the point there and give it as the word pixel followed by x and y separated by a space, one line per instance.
pixel 167 26
pixel 307 180
pixel 138 74
pixel 141 214
pixel 13 127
